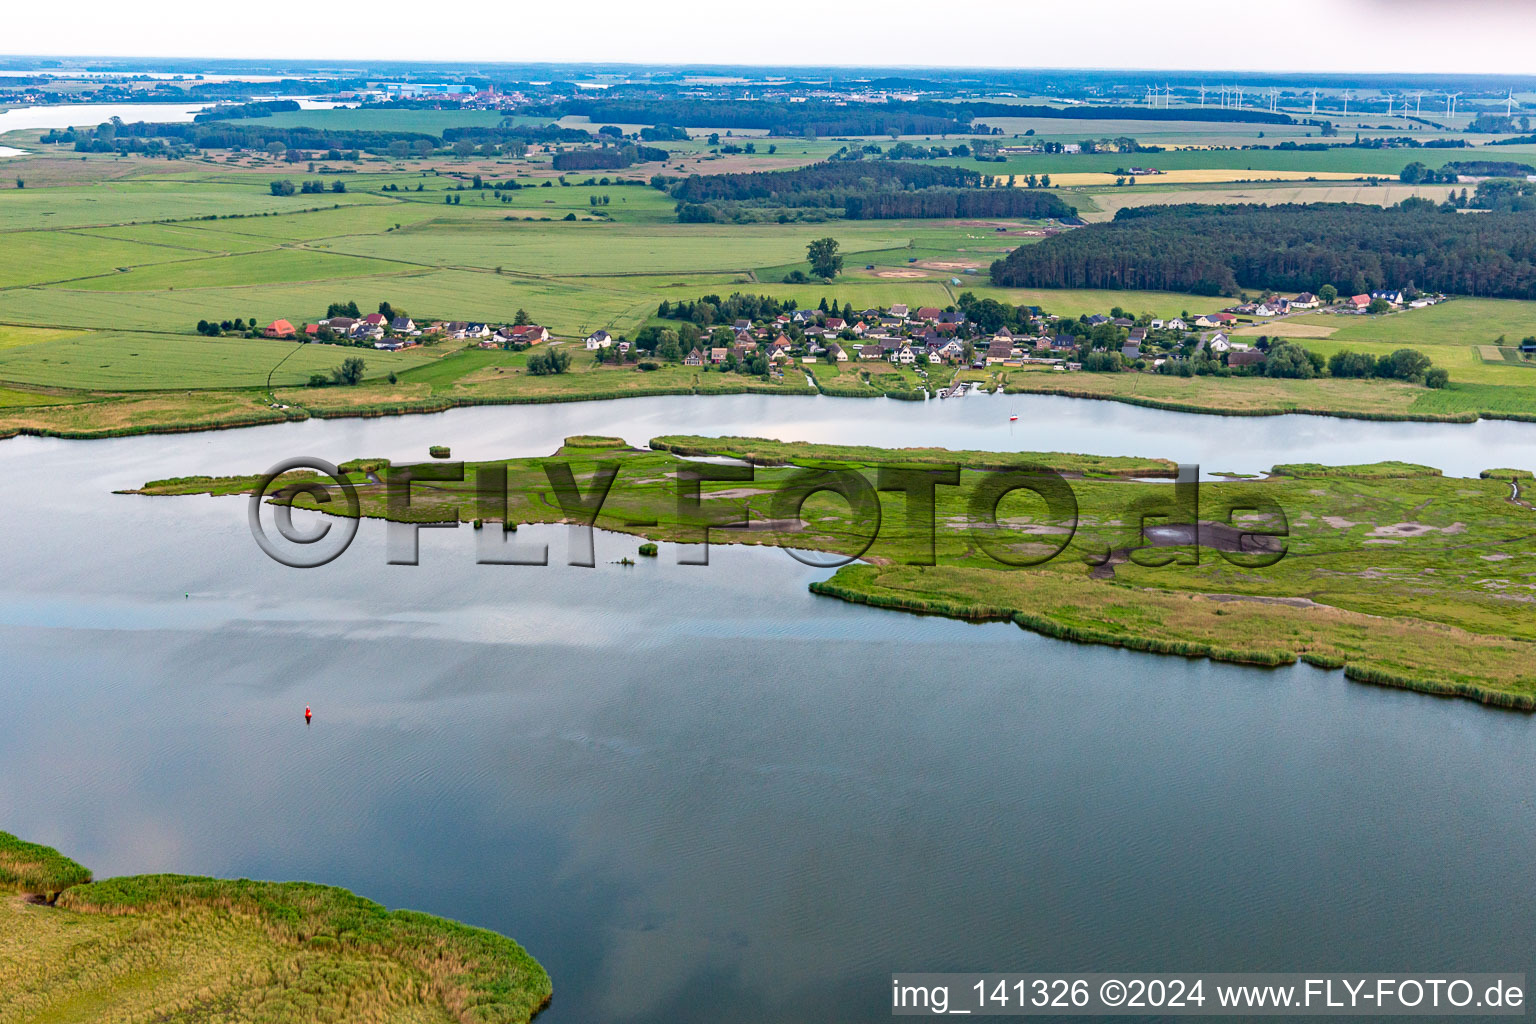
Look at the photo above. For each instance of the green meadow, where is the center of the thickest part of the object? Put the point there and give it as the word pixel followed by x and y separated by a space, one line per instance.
pixel 101 283
pixel 124 361
pixel 179 948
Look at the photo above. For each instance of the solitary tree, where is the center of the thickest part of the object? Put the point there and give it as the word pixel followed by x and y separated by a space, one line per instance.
pixel 350 371
pixel 824 257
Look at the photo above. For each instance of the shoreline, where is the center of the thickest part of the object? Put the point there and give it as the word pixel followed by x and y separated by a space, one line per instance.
pixel 1273 658
pixel 471 973
pixel 435 404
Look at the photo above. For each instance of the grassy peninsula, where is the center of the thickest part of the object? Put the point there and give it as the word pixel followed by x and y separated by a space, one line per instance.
pixel 177 948
pixel 1391 572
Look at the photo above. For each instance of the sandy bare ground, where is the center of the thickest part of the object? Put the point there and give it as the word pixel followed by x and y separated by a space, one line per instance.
pixel 949 264
pixel 905 274
pixel 1286 329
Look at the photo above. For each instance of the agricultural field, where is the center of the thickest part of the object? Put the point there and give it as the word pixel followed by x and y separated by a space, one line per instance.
pixel 103 280
pixel 1150 192
pixel 1351 162
pixel 123 361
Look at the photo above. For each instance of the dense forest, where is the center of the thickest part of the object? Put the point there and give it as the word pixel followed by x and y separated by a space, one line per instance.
pixel 243 133
pixel 778 118
pixel 261 108
pixel 857 190
pixel 923 117
pixel 837 176
pixel 149 136
pixel 1214 250
pixel 955 202
pixel 606 158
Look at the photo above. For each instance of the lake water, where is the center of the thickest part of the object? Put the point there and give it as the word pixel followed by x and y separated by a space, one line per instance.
pixel 88 115
pixel 702 793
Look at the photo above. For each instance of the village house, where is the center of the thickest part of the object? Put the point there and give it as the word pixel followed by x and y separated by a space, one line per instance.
pixel 278 329
pixel 899 310
pixel 904 356
pixel 717 355
pixel 694 358
pixel 999 350
pixel 1247 357
pixel 1216 342
pixel 1175 324
pixel 1306 300
pixel 836 354
pixel 1358 302
pixel 930 314
pixel 533 334
pixel 1394 297
pixel 1131 350
pixel 600 339
pixel 402 325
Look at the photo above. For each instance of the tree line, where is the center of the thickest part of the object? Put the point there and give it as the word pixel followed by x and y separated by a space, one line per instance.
pixel 919 117
pixel 950 202
pixel 1217 250
pixel 606 158
pixel 826 177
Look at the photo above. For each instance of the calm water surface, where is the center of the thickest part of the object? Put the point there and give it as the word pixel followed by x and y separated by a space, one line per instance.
pixel 703 794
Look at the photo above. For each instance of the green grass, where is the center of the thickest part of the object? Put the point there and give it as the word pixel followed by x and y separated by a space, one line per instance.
pixel 273 266
pixel 35 257
pixel 123 202
pixel 31 868
pixel 182 949
pixel 597 249
pixel 119 361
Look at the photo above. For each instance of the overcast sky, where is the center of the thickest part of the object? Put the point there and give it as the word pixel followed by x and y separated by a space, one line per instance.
pixel 1426 36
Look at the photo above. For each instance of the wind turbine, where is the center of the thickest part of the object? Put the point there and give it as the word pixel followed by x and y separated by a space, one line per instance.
pixel 1418 102
pixel 1509 104
pixel 1202 94
pixel 1450 105
pixel 1239 97
pixel 1274 99
pixel 1167 96
pixel 1346 102
pixel 1314 99
pixel 1149 95
pixel 1389 104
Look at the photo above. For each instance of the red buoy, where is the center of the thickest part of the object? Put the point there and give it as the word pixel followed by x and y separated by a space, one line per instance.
pixel 308 714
